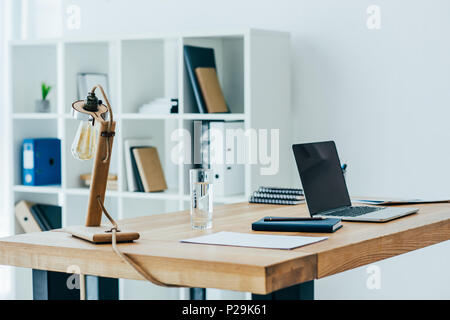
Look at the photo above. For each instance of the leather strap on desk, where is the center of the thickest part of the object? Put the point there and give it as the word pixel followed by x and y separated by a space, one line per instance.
pixel 125 257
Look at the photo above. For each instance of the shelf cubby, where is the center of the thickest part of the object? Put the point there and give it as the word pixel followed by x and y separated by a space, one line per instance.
pixel 25 129
pixel 229 56
pixel 26 84
pixel 158 132
pixel 84 57
pixel 147 72
pixel 43 198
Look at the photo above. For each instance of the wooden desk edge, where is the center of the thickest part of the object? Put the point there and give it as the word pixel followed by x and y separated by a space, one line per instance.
pixel 195 273
pixel 355 255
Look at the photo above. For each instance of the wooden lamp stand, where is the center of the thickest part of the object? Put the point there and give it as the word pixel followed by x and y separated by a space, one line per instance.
pixel 93 231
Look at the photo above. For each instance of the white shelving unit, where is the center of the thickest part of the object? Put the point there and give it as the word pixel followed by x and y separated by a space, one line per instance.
pixel 254 71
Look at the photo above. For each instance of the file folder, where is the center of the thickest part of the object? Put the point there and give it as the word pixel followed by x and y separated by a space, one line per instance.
pixel 223 155
pixel 41 162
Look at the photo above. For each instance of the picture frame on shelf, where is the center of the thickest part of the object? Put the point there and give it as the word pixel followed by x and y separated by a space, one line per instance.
pixel 89 80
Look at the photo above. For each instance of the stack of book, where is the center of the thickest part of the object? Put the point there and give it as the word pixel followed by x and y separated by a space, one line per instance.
pixel 112 183
pixel 275 195
pixel 144 170
pixel 160 106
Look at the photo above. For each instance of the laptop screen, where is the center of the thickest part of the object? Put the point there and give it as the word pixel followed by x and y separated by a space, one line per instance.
pixel 321 175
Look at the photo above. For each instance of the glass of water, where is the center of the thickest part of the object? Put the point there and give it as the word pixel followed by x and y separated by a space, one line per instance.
pixel 201 198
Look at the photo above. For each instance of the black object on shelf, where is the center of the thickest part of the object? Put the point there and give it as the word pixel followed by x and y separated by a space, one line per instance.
pixel 174 108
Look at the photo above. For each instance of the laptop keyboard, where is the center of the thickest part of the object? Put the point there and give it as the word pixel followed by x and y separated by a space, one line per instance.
pixel 351 211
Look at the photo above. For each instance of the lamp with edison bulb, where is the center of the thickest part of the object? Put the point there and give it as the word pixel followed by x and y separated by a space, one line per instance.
pixel 94 138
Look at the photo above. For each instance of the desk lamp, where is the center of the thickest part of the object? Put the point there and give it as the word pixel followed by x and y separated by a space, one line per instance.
pixel 95 138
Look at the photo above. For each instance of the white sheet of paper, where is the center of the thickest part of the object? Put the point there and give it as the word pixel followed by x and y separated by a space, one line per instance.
pixel 226 238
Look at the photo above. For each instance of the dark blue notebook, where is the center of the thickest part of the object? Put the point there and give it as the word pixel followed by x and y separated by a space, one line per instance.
pixel 326 225
pixel 137 176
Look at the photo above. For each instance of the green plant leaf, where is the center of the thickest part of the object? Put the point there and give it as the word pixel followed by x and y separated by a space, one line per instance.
pixel 45 90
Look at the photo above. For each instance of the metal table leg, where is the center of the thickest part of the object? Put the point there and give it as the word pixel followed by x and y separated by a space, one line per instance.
pixel 50 285
pixel 302 291
pixel 197 293
pixel 101 288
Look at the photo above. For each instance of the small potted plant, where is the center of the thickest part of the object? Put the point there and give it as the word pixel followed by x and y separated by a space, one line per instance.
pixel 44 104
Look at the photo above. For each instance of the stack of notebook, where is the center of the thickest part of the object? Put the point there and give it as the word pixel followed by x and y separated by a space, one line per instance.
pixel 274 195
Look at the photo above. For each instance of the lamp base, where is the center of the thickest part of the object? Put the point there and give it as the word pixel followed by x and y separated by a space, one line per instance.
pixel 101 234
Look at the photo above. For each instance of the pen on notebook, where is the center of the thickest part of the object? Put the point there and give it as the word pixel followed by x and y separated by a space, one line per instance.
pixel 292 219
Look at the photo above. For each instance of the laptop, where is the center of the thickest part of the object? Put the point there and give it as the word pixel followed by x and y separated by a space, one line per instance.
pixel 325 189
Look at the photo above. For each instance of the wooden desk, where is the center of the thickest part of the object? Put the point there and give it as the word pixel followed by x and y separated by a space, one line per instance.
pixel 260 271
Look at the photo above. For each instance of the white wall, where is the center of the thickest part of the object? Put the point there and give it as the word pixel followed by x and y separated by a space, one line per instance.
pixel 6 288
pixel 383 95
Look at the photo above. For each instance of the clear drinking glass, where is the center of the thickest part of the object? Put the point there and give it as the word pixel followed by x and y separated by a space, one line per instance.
pixel 201 198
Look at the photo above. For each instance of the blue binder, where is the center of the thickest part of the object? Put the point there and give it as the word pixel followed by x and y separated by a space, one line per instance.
pixel 41 162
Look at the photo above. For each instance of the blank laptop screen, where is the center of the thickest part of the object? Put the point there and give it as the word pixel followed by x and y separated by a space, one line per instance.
pixel 321 175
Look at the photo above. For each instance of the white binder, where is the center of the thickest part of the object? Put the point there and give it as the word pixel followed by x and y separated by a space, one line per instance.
pixel 223 158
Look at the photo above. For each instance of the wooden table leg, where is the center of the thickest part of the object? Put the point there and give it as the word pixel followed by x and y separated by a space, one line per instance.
pixel 302 291
pixel 49 285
